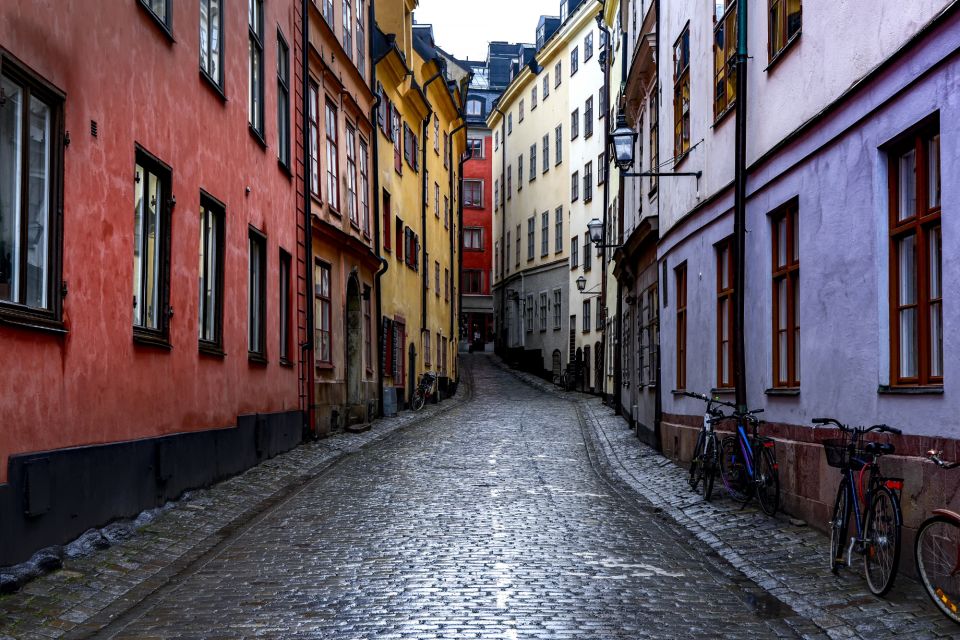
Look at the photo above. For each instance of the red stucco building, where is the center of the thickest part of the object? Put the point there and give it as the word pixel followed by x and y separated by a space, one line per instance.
pixel 150 246
pixel 477 308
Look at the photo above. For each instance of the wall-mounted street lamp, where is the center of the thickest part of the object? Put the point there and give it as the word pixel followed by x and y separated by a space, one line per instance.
pixel 595 227
pixel 624 139
pixel 582 287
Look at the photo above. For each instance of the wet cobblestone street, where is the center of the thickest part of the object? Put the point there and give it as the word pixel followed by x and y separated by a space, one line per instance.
pixel 486 521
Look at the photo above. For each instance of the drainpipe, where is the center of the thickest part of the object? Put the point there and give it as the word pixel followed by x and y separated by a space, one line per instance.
pixel 424 200
pixel 602 375
pixel 503 230
pixel 456 302
pixel 306 349
pixel 377 213
pixel 740 211
pixel 658 389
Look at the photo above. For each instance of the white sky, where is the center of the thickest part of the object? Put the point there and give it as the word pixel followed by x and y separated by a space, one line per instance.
pixel 463 27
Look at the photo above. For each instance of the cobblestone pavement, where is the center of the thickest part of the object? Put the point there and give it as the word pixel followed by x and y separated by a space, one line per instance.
pixel 787 560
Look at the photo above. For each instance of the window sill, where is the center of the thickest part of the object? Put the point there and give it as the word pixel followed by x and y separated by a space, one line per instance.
pixel 286 364
pixel 258 136
pixel 681 158
pixel 211 349
pixel 723 114
pixel 213 86
pixel 884 389
pixel 722 391
pixel 285 169
pixel 145 339
pixel 324 366
pixel 163 26
pixel 783 391
pixel 783 52
pixel 35 323
pixel 316 198
pixel 257 359
pixel 678 392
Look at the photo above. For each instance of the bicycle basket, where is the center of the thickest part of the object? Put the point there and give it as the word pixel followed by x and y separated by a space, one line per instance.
pixel 838 452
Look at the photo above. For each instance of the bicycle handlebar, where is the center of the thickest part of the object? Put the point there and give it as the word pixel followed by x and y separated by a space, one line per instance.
pixel 706 398
pixel 877 427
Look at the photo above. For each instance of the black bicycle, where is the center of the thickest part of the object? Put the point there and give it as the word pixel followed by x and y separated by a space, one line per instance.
pixel 706 454
pixel 872 498
pixel 748 464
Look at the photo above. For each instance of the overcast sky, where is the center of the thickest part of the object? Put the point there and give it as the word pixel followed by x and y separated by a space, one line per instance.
pixel 463 27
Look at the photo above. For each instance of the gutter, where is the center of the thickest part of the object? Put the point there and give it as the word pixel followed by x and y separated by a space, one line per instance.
pixel 307 348
pixel 456 302
pixel 377 214
pixel 604 338
pixel 503 229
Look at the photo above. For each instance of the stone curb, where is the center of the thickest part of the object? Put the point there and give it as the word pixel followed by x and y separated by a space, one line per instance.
pixel 92 590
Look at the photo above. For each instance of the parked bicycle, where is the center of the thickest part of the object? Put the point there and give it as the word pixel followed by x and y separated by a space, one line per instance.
pixel 871 498
pixel 748 464
pixel 706 454
pixel 937 553
pixel 426 388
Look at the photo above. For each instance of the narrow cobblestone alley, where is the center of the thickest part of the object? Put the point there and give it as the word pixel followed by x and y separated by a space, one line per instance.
pixel 487 521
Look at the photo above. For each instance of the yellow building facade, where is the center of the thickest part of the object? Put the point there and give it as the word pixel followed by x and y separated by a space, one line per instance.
pixel 420 143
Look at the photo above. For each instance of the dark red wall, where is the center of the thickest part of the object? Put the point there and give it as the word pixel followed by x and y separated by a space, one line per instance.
pixel 116 66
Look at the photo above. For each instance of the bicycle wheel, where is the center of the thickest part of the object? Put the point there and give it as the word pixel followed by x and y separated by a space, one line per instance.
pixel 709 466
pixel 938 556
pixel 696 463
pixel 767 482
pixel 733 472
pixel 838 526
pixel 881 553
pixel 418 400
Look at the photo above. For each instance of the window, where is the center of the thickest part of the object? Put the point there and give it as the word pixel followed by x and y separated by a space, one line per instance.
pixel 446 212
pixel 520 173
pixel 681 277
pixel 436 278
pixel 786 297
pixel 588 182
pixel 387 216
pixel 425 339
pixel 446 150
pixel 333 161
pixel 348 29
pixel 520 110
pixel 601 172
pixel 587 254
pixel 446 284
pixel 518 246
pixel 410 147
pixel 558 231
pixel 472 281
pixel 557 308
pixel 322 307
pixel 151 249
pixel 255 71
pixel 161 12
pixel 401 240
pixel 473 193
pixel 400 353
pixel 436 200
pixel 257 296
pixel 724 56
pixel 574 61
pixel 916 265
pixel 588 118
pixel 543 311
pixel 725 314
pixel 31 168
pixel 575 186
pixel 364 188
pixel 546 86
pixel 496 194
pixel 367 318
pixel 411 250
pixel 533 98
pixel 314 139
pixel 475 148
pixel 284 307
pixel 528 312
pixel 544 233
pixel 473 238
pixel 327 9
pixel 546 153
pixel 397 142
pixel 211 34
pixel 785 19
pixel 509 123
pixel 681 94
pixel 654 145
pixel 600 319
pixel 558 145
pixel 530 231
pixel 574 252
pixel 509 182
pixel 507 249
pixel 361 46
pixel 283 101
pixel 352 205
pixel 588 46
pixel 557 74
pixel 210 274
pixel 601 104
pixel 474 108
pixel 533 162
pixel 436 134
pixel 586 316
pixel 575 124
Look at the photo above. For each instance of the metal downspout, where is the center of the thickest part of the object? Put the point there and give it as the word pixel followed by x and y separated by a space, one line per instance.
pixel 306 349
pixel 740 211
pixel 602 375
pixel 503 232
pixel 377 215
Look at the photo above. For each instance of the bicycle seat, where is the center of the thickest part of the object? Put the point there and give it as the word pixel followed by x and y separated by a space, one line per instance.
pixel 879 448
